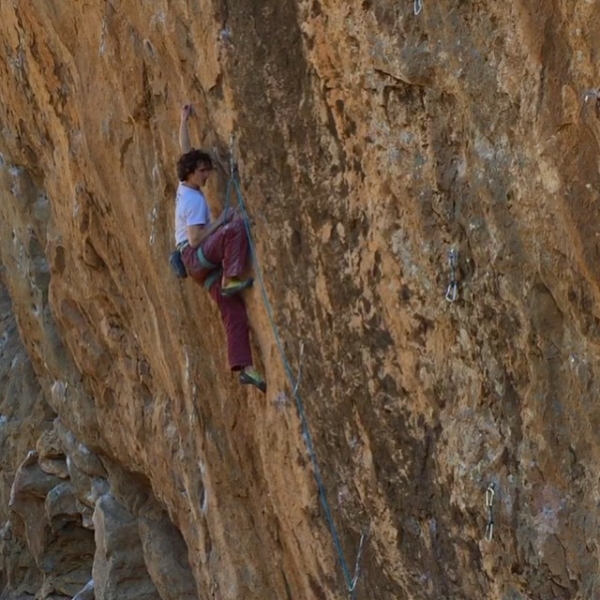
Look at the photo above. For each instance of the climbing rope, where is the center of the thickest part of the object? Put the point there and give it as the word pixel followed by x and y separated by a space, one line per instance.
pixel 299 378
pixel 232 171
pixel 350 581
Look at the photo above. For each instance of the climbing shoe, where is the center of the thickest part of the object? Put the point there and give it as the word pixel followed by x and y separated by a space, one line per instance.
pixel 252 377
pixel 236 287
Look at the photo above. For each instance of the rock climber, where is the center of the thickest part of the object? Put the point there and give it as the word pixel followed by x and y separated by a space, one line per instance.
pixel 214 252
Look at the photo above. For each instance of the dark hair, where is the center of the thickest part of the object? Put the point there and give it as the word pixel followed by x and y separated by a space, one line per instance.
pixel 190 161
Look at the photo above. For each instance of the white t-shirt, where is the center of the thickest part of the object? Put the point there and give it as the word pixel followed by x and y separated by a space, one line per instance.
pixel 191 208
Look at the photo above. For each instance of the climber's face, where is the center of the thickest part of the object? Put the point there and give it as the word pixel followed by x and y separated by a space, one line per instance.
pixel 200 175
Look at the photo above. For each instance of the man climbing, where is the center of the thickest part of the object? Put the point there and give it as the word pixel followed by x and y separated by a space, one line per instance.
pixel 214 252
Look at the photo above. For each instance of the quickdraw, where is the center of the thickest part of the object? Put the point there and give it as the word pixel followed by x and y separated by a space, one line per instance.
pixel 352 586
pixel 452 289
pixel 489 501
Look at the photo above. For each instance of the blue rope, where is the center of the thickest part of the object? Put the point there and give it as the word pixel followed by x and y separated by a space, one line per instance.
pixel 227 195
pixel 350 583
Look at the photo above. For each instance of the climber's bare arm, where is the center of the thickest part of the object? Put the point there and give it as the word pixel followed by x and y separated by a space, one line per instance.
pixel 184 131
pixel 198 233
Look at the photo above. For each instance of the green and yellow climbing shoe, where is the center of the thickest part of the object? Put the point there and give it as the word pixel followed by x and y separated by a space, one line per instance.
pixel 236 286
pixel 253 377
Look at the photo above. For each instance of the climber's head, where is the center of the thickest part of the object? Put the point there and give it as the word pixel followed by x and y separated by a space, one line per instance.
pixel 194 167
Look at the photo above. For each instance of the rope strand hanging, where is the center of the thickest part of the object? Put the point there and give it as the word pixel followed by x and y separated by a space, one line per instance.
pixel 294 384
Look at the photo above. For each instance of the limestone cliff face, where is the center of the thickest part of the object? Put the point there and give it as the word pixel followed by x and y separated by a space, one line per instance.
pixel 371 141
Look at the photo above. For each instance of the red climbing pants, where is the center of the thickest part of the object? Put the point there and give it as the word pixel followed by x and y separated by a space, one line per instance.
pixel 227 247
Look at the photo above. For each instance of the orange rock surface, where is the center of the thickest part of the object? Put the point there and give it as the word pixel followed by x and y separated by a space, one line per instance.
pixel 370 141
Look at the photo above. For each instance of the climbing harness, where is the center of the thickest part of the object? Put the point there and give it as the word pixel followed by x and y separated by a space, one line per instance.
pixel 489 501
pixel 452 289
pixel 294 383
pixel 181 272
pixel 204 262
pixel 418 7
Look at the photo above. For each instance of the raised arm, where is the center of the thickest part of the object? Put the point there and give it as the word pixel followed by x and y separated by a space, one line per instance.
pixel 184 132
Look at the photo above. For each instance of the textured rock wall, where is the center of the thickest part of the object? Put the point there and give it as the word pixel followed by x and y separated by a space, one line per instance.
pixel 23 417
pixel 371 141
